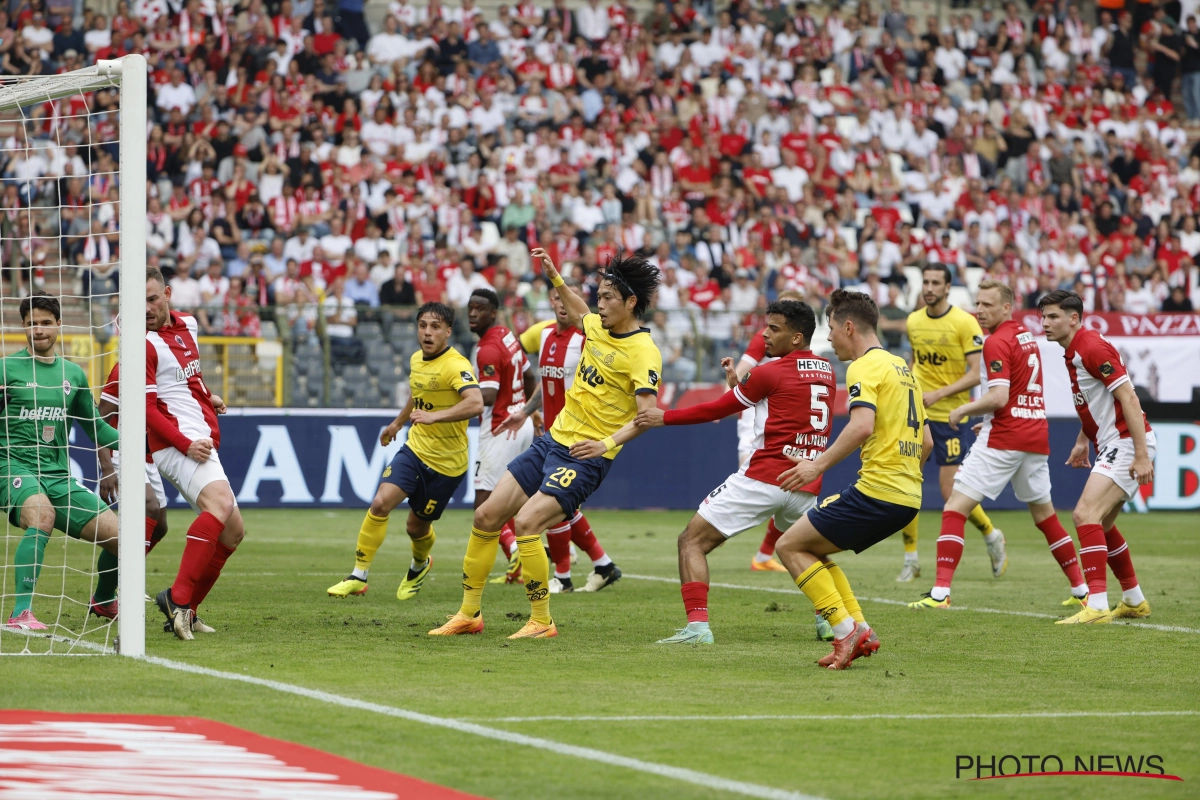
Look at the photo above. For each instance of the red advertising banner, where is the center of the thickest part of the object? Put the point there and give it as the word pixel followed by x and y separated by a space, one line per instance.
pixel 1110 324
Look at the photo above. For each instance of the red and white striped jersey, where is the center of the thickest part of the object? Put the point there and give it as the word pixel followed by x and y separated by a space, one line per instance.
pixel 558 359
pixel 112 393
pixel 501 363
pixel 173 376
pixel 1096 370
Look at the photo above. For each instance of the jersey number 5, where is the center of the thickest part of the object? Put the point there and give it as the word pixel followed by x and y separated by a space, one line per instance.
pixel 914 422
pixel 820 409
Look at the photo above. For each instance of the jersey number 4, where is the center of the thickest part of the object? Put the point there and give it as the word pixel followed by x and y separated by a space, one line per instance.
pixel 914 421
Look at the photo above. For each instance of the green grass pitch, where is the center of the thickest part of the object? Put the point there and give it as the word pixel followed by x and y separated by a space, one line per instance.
pixel 276 622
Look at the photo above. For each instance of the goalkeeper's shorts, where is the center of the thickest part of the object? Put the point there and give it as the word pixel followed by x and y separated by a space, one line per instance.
pixel 74 506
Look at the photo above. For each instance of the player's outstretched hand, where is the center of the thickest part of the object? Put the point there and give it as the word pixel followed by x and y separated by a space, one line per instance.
pixel 730 371
pixel 929 398
pixel 1079 457
pixel 799 476
pixel 956 416
pixel 650 418
pixel 108 487
pixel 219 404
pixel 976 428
pixel 200 450
pixel 585 450
pixel 420 417
pixel 548 268
pixel 513 424
pixel 388 435
pixel 1142 470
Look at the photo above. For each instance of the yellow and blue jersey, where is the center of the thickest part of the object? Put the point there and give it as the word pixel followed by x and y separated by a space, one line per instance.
pixel 940 348
pixel 436 383
pixel 613 369
pixel 891 455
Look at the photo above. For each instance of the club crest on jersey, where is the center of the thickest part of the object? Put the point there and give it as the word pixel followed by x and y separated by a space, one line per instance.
pixel 854 391
pixel 179 341
pixel 653 378
pixel 17 483
pixel 47 433
pixel 996 366
pixel 977 340
pixel 1106 369
pixel 553 348
pixel 67 387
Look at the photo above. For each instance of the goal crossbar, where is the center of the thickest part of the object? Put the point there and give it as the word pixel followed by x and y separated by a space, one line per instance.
pixel 18 92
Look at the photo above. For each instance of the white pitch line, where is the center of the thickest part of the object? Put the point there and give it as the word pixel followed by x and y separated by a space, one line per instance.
pixel 842 717
pixel 586 753
pixel 889 602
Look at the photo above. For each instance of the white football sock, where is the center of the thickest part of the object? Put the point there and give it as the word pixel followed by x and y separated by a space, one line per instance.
pixel 911 558
pixel 562 576
pixel 1134 596
pixel 602 561
pixel 1079 591
pixel 844 628
pixel 939 593
pixel 762 558
pixel 1098 601
pixel 361 574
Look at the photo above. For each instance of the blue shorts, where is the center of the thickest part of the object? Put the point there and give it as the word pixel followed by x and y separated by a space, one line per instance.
pixel 950 446
pixel 428 490
pixel 854 521
pixel 548 467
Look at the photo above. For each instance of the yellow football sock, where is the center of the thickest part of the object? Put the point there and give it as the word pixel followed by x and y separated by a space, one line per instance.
pixel 980 520
pixel 910 533
pixel 477 563
pixel 818 585
pixel 843 587
pixel 370 537
pixel 422 546
pixel 535 570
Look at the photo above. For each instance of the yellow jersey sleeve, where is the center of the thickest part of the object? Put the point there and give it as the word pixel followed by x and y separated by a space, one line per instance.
pixel 891 455
pixel 613 369
pixel 437 384
pixel 531 339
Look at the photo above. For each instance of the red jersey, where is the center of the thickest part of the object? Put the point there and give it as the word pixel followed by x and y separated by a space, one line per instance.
pixel 501 365
pixel 1011 358
pixel 179 406
pixel 112 393
pixel 793 400
pixel 558 359
pixel 1096 370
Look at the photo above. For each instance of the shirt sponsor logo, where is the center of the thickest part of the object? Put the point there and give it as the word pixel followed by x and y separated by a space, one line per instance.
pixel 183 374
pixel 52 413
pixel 813 365
pixel 931 359
pixel 552 372
pixel 1025 338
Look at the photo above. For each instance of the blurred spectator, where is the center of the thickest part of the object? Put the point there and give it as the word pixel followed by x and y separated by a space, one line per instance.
pixel 360 289
pixel 340 319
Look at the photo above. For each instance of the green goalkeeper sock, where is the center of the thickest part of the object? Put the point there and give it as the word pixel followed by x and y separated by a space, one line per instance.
pixel 28 564
pixel 106 580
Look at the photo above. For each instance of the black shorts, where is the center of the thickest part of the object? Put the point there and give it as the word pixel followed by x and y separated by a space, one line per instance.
pixel 548 467
pixel 950 446
pixel 428 490
pixel 854 521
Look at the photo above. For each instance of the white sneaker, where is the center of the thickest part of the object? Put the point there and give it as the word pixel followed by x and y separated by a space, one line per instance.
pixel 911 571
pixel 200 626
pixel 997 553
pixel 596 581
pixel 181 623
pixel 561 586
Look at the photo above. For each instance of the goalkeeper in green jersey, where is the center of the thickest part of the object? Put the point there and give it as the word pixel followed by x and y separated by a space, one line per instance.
pixel 41 394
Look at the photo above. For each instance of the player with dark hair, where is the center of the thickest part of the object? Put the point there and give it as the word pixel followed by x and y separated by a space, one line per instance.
pixel 1112 422
pixel 793 396
pixel 559 346
pixel 506 378
pixel 1013 446
pixel 42 395
pixel 946 342
pixel 430 466
pixel 764 560
pixel 618 376
pixel 887 421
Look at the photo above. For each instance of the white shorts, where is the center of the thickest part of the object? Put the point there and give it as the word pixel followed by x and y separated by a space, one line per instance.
pixel 742 503
pixel 745 434
pixel 188 475
pixel 153 479
pixel 1114 459
pixel 985 471
pixel 495 453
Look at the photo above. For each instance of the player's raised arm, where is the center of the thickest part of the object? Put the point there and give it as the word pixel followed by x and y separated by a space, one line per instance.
pixel 577 309
pixel 724 406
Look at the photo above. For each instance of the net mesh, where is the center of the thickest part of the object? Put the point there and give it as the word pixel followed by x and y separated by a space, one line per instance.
pixel 59 220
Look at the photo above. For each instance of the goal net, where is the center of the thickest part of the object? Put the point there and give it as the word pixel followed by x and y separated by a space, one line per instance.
pixel 72 244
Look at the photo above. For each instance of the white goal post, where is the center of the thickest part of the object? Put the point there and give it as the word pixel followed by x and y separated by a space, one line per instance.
pixel 128 75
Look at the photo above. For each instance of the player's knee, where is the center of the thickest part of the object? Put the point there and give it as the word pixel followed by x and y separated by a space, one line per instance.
pixel 37 512
pixel 1084 514
pixel 416 528
pixel 486 518
pixel 234 531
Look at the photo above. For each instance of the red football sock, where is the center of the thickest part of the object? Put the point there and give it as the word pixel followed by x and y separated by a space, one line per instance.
pixel 584 539
pixel 508 539
pixel 1093 552
pixel 559 539
pixel 1119 559
pixel 695 601
pixel 213 571
pixel 1062 548
pixel 949 547
pixel 151 526
pixel 197 553
pixel 767 548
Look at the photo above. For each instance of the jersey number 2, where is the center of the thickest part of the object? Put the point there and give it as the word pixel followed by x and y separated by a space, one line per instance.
pixel 913 421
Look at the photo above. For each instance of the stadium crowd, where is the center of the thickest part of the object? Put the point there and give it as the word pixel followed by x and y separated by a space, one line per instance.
pixel 302 159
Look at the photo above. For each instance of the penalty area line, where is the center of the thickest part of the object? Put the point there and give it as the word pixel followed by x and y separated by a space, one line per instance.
pixel 509 737
pixel 842 717
pixel 888 602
